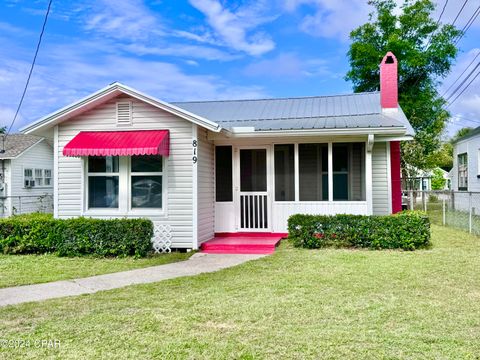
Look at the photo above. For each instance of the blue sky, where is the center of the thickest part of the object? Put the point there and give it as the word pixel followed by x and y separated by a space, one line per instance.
pixel 188 50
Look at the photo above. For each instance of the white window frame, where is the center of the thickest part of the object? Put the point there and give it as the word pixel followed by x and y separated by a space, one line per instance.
pixel 34 177
pixel 47 177
pixel 38 179
pixel 478 163
pixel 148 173
pixel 124 193
pixel 463 188
pixel 101 174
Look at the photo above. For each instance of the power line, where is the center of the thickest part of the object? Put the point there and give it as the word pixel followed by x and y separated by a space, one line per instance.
pixel 461 9
pixel 431 36
pixel 468 25
pixel 462 83
pixel 436 25
pixel 463 118
pixel 463 72
pixel 31 69
pixel 465 88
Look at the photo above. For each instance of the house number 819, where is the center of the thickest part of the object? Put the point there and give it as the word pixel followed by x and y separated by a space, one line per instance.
pixel 194 145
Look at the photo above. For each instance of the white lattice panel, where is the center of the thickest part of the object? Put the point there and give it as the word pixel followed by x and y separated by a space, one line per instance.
pixel 162 238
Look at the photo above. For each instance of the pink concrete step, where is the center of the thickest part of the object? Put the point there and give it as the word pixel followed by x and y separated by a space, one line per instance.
pixel 242 243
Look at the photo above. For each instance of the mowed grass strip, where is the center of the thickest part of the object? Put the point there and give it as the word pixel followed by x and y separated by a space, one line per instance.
pixel 329 303
pixel 18 270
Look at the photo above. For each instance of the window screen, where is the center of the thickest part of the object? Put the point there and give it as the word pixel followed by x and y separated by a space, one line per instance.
pixel 284 172
pixel 349 172
pixel 313 168
pixel 223 174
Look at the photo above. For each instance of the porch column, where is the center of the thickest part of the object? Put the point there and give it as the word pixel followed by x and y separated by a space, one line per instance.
pixel 369 174
pixel 330 171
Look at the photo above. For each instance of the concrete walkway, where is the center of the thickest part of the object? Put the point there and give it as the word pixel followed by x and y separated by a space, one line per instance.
pixel 199 263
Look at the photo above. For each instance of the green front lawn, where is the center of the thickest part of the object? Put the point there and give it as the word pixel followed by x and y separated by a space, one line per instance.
pixel 32 269
pixel 297 303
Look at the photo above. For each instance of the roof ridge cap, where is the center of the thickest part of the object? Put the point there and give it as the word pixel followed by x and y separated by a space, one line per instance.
pixel 278 98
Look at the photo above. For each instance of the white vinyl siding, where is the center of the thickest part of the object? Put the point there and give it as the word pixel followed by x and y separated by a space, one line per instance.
pixel 380 179
pixel 470 146
pixel 178 211
pixel 206 187
pixel 39 156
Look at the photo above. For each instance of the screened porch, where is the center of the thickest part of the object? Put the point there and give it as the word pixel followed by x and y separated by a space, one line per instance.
pixel 257 187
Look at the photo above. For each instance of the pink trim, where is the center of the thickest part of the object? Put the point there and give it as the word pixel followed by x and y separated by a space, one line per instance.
pixel 242 243
pixel 389 81
pixel 395 171
pixel 119 143
pixel 249 234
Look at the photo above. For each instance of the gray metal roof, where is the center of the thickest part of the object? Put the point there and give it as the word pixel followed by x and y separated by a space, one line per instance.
pixel 360 110
pixel 16 144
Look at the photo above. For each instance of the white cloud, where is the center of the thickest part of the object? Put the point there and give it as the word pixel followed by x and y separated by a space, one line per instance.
pixel 122 19
pixel 181 50
pixel 331 18
pixel 234 28
pixel 67 72
pixel 288 65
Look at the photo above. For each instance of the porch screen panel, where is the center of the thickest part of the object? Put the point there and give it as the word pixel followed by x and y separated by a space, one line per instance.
pixel 313 172
pixel 284 172
pixel 223 174
pixel 349 172
pixel 253 170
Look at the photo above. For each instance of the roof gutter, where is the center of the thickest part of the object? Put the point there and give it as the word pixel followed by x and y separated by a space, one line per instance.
pixel 396 131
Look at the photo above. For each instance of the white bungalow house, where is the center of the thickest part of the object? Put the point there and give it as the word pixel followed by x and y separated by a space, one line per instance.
pixel 208 167
pixel 26 175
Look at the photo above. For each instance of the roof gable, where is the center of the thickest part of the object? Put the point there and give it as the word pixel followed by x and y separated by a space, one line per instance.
pixel 110 92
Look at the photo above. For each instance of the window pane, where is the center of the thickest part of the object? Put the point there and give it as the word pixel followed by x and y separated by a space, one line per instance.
pixel 103 192
pixel 313 168
pixel 284 173
pixel 253 170
pixel 146 164
pixel 146 191
pixel 38 177
pixel 102 164
pixel 48 173
pixel 223 173
pixel 349 172
pixel 462 172
pixel 28 173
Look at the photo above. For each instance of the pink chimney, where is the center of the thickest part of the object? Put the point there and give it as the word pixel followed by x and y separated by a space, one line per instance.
pixel 389 82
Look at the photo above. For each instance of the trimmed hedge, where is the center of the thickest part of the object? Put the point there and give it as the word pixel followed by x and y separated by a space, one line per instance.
pixel 408 230
pixel 41 233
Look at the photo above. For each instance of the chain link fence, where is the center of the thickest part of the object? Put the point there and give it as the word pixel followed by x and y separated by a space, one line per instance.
pixel 16 205
pixel 458 209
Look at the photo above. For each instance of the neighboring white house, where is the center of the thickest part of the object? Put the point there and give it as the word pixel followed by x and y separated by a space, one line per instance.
pixel 466 162
pixel 26 175
pixel 422 179
pixel 209 167
pixel 465 174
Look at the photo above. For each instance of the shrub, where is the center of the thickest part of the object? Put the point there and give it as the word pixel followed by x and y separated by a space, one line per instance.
pixel 40 233
pixel 408 230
